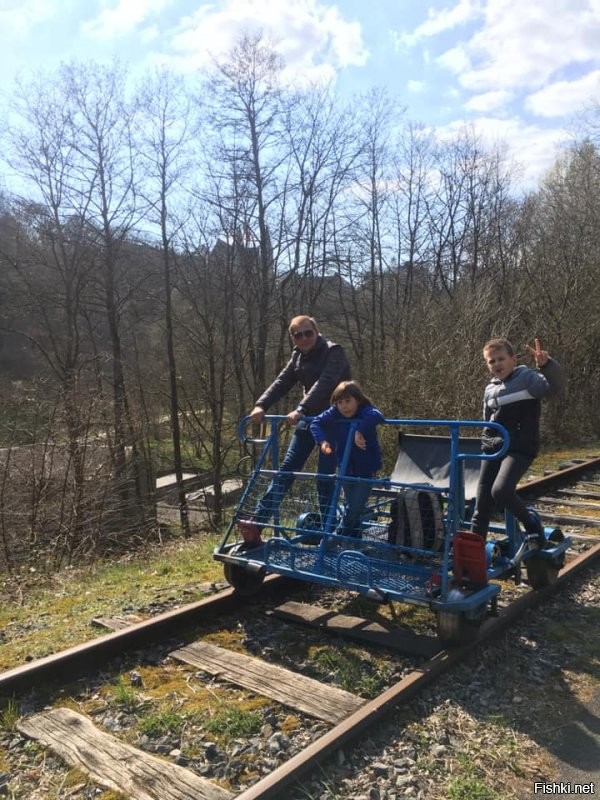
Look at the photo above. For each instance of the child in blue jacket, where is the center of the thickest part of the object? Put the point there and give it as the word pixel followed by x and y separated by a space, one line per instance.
pixel 349 402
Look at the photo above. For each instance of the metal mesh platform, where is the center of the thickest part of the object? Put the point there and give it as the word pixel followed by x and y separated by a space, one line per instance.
pixel 365 566
pixel 301 498
pixel 299 542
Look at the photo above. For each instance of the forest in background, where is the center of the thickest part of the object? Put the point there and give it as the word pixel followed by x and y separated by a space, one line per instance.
pixel 165 234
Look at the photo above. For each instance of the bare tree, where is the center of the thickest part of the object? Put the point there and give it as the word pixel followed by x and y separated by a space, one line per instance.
pixel 379 116
pixel 413 164
pixel 101 122
pixel 51 260
pixel 244 110
pixel 559 239
pixel 209 292
pixel 325 150
pixel 165 134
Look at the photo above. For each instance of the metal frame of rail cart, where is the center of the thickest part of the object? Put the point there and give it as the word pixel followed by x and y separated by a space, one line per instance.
pixel 446 567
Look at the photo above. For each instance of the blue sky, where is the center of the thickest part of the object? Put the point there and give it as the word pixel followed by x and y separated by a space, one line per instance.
pixel 519 70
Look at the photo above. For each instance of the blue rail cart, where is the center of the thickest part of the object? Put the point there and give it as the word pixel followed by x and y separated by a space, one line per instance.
pixel 414 544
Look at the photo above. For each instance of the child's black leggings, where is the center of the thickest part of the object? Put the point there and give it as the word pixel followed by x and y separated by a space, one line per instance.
pixel 498 479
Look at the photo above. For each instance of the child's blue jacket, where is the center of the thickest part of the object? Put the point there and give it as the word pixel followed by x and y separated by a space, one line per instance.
pixel 331 426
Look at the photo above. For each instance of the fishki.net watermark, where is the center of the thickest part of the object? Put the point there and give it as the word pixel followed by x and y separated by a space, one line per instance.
pixel 564 787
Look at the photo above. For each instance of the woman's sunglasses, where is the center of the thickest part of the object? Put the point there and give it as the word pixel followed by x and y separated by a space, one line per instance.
pixel 307 334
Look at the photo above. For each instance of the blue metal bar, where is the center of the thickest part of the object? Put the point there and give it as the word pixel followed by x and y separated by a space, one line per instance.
pixel 341 471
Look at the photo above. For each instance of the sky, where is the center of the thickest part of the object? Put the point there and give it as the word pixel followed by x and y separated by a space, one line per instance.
pixel 519 71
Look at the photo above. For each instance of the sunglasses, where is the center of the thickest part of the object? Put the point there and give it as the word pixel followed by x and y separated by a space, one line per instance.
pixel 307 334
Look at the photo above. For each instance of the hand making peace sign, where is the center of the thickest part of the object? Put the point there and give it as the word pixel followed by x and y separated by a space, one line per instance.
pixel 541 356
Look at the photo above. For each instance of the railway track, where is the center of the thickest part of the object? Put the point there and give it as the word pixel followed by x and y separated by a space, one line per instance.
pixel 343 716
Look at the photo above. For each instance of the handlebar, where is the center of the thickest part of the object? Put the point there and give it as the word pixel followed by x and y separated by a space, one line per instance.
pixel 272 418
pixel 453 425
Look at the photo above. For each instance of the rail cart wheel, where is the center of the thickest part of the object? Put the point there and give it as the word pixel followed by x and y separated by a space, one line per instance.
pixel 454 628
pixel 245 580
pixel 310 521
pixel 556 537
pixel 541 572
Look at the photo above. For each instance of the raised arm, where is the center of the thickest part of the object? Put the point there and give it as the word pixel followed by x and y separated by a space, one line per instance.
pixel 551 378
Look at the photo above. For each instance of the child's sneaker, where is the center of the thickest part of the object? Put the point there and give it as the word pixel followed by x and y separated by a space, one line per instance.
pixel 534 532
pixel 250 531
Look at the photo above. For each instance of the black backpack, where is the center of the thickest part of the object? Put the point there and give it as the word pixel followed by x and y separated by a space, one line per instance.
pixel 417 520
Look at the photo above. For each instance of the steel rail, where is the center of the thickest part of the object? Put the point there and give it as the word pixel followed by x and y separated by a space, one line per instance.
pixel 538 486
pixel 80 659
pixel 89 656
pixel 284 776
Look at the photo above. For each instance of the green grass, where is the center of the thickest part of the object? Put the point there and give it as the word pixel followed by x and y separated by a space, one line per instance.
pixel 498 719
pixel 353 671
pixel 163 458
pixel 124 695
pixel 232 722
pixel 467 784
pixel 469 788
pixel 9 716
pixel 161 723
pixel 48 614
pixel 551 458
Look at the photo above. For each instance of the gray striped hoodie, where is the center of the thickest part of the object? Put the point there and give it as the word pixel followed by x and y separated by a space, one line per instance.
pixel 516 404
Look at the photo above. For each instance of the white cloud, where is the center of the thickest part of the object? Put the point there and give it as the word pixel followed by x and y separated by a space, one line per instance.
pixel 345 37
pixel 150 34
pixel 314 39
pixel 519 47
pixel 439 21
pixel 122 18
pixel 488 101
pixel 416 87
pixel 525 43
pixel 17 17
pixel 456 60
pixel 565 97
pixel 517 60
